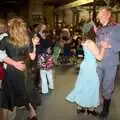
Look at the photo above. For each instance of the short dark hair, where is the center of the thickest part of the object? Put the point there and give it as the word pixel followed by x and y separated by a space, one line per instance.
pixel 108 9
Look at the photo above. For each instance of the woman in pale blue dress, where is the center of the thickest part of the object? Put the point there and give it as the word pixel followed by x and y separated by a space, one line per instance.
pixel 86 90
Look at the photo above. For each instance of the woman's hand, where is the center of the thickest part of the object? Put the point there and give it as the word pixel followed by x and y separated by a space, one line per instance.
pixel 35 40
pixel 19 65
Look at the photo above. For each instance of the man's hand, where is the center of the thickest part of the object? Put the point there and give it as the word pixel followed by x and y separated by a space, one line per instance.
pixel 19 65
pixel 105 44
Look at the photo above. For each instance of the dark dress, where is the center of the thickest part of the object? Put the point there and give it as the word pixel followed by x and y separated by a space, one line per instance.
pixel 14 88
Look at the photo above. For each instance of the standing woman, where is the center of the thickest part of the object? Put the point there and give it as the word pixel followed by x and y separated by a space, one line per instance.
pixel 17 45
pixel 86 90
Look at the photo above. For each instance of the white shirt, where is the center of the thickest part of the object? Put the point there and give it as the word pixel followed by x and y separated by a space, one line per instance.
pixel 3 54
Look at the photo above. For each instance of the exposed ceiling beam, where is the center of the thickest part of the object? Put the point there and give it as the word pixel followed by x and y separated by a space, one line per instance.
pixel 75 4
pixel 57 3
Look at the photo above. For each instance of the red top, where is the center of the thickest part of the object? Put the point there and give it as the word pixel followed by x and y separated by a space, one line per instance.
pixel 2 72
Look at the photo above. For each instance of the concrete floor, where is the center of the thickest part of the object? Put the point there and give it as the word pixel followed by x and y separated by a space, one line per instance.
pixel 55 107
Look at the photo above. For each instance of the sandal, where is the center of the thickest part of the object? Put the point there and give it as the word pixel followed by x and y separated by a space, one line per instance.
pixel 93 112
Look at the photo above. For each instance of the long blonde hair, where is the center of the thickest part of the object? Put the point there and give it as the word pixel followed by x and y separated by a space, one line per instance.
pixel 18 32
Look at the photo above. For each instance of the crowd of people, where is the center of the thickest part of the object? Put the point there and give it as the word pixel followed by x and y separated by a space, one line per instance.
pixel 29 54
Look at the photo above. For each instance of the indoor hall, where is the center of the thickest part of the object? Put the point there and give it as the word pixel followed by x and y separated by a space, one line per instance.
pixel 55 107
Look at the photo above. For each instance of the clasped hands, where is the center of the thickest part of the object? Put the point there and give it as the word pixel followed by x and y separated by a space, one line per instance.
pixel 105 44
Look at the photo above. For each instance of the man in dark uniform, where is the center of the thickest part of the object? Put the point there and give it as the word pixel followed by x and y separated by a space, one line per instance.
pixel 108 66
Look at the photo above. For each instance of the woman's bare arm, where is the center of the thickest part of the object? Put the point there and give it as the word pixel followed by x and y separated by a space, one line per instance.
pixel 97 52
pixel 17 64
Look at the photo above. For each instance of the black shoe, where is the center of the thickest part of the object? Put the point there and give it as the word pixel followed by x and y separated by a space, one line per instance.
pixel 105 111
pixel 33 118
pixel 94 113
pixel 103 114
pixel 81 110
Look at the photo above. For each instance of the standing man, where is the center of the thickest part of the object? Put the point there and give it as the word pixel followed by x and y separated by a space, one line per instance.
pixel 108 66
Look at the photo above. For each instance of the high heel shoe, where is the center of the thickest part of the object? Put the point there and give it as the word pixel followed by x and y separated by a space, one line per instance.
pixel 33 118
pixel 93 112
pixel 80 110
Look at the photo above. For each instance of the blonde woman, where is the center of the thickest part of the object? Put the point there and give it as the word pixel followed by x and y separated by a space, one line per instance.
pixel 17 45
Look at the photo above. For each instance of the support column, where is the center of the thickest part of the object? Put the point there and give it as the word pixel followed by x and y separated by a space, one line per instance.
pixel 68 16
pixel 94 11
pixel 35 11
pixel 76 15
pixel 49 14
pixel 59 18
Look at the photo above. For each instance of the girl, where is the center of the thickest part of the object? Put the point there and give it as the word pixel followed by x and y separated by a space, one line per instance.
pixel 45 62
pixel 86 90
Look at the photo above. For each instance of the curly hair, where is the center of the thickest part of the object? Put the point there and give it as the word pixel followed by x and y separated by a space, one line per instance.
pixel 18 32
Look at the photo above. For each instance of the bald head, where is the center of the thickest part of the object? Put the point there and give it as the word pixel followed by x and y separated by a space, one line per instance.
pixel 104 16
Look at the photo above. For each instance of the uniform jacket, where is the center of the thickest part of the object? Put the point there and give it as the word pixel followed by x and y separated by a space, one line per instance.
pixel 110 33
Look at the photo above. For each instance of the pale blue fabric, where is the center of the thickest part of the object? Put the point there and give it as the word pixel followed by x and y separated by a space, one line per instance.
pixel 86 90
